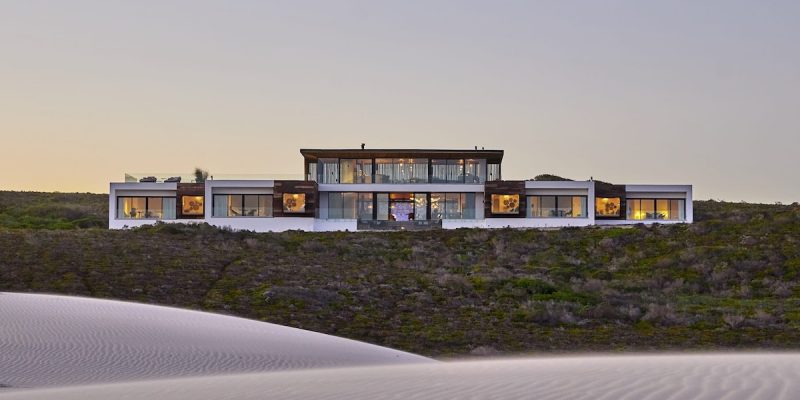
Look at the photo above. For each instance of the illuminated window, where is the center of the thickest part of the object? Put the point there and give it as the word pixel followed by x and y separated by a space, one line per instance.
pixel 607 206
pixel 557 207
pixel 649 209
pixel 294 202
pixel 192 205
pixel 146 208
pixel 242 205
pixel 505 204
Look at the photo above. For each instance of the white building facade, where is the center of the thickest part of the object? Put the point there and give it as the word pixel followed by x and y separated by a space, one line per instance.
pixel 363 190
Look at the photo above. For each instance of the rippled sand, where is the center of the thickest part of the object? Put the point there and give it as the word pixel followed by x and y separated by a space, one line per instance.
pixel 75 348
pixel 57 340
pixel 722 376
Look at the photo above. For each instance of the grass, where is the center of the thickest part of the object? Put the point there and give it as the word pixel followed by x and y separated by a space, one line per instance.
pixel 728 281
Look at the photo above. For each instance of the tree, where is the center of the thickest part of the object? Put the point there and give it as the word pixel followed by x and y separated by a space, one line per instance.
pixel 200 175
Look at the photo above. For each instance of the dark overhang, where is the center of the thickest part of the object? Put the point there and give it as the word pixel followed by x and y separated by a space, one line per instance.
pixel 491 156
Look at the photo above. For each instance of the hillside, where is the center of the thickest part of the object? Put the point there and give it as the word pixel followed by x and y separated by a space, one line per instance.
pixel 728 281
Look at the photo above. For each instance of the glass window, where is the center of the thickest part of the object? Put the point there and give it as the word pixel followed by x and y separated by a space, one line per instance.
pixel 455 171
pixel 264 205
pixel 468 205
pixel 549 209
pixel 131 207
pixel 220 207
pixel 242 205
pixel 334 205
pixel 312 172
pixel 438 171
pixel 662 209
pixel 534 207
pixel 294 202
pixel 170 209
pixel 648 207
pixel 146 208
pixel 383 206
pixel 411 170
pixel 349 201
pixel 420 206
pixel 677 209
pixel 365 206
pixel 634 209
pixel 192 205
pixel 328 170
pixel 475 171
pixel 607 206
pixel 347 171
pixel 384 170
pixel 564 207
pixel 155 208
pixel 580 207
pixel 452 206
pixel 505 204
pixel 363 171
pixel 493 172
pixel 666 209
pixel 235 205
pixel 437 206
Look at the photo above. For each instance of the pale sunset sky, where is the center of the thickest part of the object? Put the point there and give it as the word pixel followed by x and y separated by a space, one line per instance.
pixel 700 92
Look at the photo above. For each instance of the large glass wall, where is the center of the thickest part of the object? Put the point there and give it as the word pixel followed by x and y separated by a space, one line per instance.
pixel 663 209
pixel 420 206
pixel 349 205
pixel 452 206
pixel 557 207
pixel 382 203
pixel 493 172
pixel 355 171
pixel 328 170
pixel 474 171
pixel 146 207
pixel 402 170
pixel 242 205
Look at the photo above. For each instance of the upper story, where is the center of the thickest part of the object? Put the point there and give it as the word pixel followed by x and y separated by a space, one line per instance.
pixel 402 166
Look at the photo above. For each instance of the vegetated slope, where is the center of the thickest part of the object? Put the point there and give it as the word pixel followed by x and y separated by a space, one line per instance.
pixel 727 281
pixel 40 210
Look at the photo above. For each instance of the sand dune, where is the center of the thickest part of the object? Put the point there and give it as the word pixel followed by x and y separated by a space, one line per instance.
pixel 56 340
pixel 747 376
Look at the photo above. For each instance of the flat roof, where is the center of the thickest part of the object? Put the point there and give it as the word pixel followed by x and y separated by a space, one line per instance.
pixel 494 156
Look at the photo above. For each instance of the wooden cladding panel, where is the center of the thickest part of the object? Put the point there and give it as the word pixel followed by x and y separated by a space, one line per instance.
pixel 189 189
pixel 505 187
pixel 309 189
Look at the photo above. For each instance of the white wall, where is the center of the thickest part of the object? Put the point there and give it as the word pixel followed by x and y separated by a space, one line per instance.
pixel 263 224
pixel 329 225
pixel 536 222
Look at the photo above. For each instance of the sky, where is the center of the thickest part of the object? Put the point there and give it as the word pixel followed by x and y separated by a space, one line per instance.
pixel 699 92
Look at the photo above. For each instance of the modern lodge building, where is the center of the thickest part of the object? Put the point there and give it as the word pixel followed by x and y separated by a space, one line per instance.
pixel 366 189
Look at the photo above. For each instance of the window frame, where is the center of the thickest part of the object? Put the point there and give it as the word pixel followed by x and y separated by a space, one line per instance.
pixel 556 205
pixel 288 211
pixel 499 195
pixel 655 208
pixel 241 195
pixel 147 208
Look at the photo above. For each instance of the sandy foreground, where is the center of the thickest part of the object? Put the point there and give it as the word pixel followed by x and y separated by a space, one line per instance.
pixel 56 347
pixel 720 376
pixel 58 340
